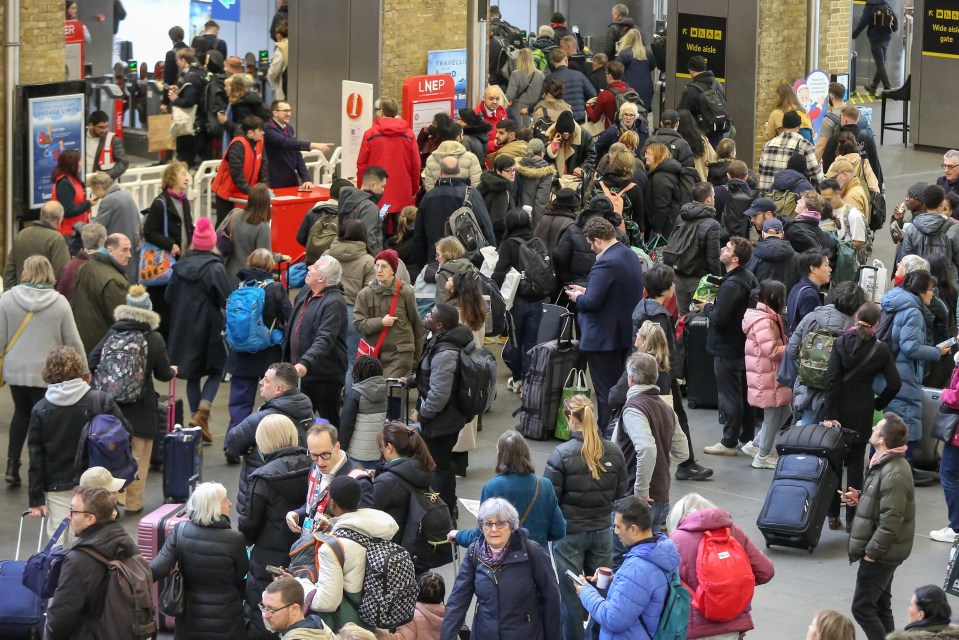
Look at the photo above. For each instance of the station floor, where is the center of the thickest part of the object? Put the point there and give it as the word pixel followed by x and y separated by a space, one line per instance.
pixel 803 584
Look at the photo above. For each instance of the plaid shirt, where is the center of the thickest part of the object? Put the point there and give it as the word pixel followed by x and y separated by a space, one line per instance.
pixel 775 158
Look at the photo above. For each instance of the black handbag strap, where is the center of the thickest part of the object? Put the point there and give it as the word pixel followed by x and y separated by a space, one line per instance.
pixel 862 363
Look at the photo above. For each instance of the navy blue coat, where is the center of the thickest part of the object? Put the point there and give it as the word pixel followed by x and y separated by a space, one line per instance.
pixel 287 167
pixel 614 288
pixel 638 74
pixel 518 600
pixel 578 89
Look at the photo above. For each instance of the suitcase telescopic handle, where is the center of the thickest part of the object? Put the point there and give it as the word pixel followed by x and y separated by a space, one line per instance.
pixel 43 522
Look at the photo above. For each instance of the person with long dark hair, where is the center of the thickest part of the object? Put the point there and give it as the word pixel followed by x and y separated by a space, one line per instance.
pixel 466 290
pixel 364 412
pixel 857 359
pixel 408 466
pixel 250 230
pixel 69 190
pixel 703 151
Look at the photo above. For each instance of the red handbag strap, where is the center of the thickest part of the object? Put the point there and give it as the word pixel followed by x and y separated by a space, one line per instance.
pixel 396 298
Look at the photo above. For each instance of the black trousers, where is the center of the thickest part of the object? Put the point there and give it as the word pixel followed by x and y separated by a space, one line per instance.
pixel 680 410
pixel 879 57
pixel 24 399
pixel 872 599
pixel 444 476
pixel 327 399
pixel 731 385
pixel 186 150
pixel 855 465
pixel 605 368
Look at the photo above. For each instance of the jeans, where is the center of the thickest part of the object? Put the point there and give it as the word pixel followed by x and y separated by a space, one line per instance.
pixel 444 476
pixel 605 368
pixel 879 56
pixel 195 393
pixel 949 477
pixel 24 399
pixel 731 387
pixel 855 464
pixel 581 553
pixel 872 599
pixel 526 318
pixel 242 399
pixel 326 398
pixel 807 416
pixel 352 344
pixel 773 420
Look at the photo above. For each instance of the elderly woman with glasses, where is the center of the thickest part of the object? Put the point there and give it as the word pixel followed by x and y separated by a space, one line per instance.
pixel 513 581
pixel 212 559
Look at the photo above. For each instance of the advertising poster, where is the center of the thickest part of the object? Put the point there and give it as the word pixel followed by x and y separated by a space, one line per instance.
pixel 813 94
pixel 200 12
pixel 452 62
pixel 55 125
pixel 357 117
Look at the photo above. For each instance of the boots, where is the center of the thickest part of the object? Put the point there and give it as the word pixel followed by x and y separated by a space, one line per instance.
pixel 13 472
pixel 202 419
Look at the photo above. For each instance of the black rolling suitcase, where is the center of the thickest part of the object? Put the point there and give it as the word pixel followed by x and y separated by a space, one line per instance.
pixel 397 401
pixel 797 502
pixel 163 414
pixel 556 324
pixel 182 456
pixel 701 392
pixel 828 443
pixel 543 387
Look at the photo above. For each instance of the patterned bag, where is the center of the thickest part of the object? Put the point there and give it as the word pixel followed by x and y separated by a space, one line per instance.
pixel 156 264
pixel 389 588
pixel 123 364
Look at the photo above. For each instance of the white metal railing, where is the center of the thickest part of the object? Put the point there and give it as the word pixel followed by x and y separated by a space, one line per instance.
pixel 201 195
pixel 143 183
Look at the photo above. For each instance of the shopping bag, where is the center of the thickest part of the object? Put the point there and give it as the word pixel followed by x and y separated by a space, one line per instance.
pixel 575 385
pixel 952 571
pixel 158 132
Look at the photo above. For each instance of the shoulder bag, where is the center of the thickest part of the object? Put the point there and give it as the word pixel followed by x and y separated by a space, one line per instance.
pixel 13 341
pixel 224 235
pixel 172 597
pixel 529 507
pixel 365 348
pixel 183 119
pixel 156 264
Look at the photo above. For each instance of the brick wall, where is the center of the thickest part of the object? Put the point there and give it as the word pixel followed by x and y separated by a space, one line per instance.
pixel 441 25
pixel 781 54
pixel 41 60
pixel 834 30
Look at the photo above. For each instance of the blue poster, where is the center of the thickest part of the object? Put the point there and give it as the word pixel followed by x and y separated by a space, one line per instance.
pixel 226 10
pixel 453 62
pixel 56 125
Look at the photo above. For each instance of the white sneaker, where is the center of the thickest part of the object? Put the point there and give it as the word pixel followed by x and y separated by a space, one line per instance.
pixel 764 462
pixel 515 387
pixel 750 449
pixel 719 449
pixel 943 535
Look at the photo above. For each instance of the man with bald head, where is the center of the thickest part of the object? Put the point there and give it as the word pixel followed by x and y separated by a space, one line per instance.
pixel 101 287
pixel 493 110
pixel 42 238
pixel 439 203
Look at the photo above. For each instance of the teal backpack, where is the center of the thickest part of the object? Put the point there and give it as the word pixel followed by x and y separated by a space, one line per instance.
pixel 675 619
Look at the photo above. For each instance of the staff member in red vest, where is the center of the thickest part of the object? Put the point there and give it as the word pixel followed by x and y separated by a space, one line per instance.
pixel 244 166
pixel 104 148
pixel 69 191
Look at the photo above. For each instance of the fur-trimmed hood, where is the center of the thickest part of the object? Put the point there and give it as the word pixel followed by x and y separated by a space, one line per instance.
pixel 534 168
pixel 135 314
pixel 951 633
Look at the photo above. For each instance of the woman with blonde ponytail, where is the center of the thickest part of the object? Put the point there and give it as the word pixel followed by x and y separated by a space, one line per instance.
pixel 588 475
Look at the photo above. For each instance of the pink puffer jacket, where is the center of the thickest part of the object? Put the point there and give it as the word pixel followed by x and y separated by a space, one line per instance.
pixel 765 344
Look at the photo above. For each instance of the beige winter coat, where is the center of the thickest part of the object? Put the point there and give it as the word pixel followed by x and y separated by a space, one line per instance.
pixel 470 166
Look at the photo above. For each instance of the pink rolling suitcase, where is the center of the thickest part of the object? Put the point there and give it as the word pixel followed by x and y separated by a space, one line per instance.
pixel 152 532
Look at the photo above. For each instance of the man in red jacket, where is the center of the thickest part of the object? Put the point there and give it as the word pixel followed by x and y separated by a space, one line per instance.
pixel 492 110
pixel 391 144
pixel 604 105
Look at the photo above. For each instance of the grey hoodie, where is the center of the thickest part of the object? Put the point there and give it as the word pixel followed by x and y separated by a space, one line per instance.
pixel 68 393
pixel 930 224
pixel 51 326
pixel 824 317
pixel 362 418
pixel 356 204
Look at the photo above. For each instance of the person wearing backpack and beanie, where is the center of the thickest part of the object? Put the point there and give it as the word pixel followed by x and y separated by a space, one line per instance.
pixel 527 310
pixel 197 294
pixel 407 464
pixel 857 360
pixel 532 495
pixel 588 475
pixel 765 346
pixel 213 563
pixel 138 323
pixel 247 368
pixel 81 606
pixel 699 254
pixel 692 99
pixel 689 521
pixel 512 578
pixel 571 147
pixel 387 305
pixel 879 21
pixel 274 489
pixel 364 410
pixel 56 425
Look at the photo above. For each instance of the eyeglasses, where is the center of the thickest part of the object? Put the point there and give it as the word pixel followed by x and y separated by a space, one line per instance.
pixel 490 525
pixel 949 167
pixel 270 611
pixel 73 511
pixel 283 110
pixel 627 116
pixel 326 455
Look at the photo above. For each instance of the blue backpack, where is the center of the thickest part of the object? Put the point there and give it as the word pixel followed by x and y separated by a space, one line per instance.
pixel 245 331
pixel 107 445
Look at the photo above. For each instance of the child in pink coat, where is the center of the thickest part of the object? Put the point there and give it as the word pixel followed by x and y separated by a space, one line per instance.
pixel 765 345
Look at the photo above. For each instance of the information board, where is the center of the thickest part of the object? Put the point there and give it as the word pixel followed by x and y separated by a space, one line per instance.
pixel 940 29
pixel 56 124
pixel 702 36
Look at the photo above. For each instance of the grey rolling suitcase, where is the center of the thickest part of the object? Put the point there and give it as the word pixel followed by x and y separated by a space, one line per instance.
pixel 927 456
pixel 543 387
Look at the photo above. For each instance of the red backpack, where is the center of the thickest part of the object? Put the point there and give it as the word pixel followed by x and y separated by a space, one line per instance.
pixel 726 579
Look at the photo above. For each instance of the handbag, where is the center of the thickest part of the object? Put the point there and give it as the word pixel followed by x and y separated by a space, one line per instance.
pixel 575 385
pixel 365 348
pixel 788 371
pixel 171 599
pixel 156 264
pixel 13 341
pixel 944 426
pixel 224 235
pixel 41 574
pixel 183 119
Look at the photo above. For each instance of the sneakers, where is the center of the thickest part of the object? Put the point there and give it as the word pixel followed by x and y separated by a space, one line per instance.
pixel 764 462
pixel 943 535
pixel 719 449
pixel 750 449
pixel 514 386
pixel 693 472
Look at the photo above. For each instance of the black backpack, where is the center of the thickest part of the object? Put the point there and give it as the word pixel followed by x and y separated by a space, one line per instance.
pixel 214 101
pixel 463 226
pixel 712 110
pixel 658 45
pixel 537 279
pixel 884 19
pixel 512 35
pixel 734 222
pixel 684 248
pixel 496 325
pixel 688 178
pixel 629 95
pixel 427 523
pixel 884 332
pixel 541 126
pixel 475 380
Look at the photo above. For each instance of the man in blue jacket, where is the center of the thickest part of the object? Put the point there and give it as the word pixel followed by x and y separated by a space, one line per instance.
pixel 605 306
pixel 641 585
pixel 287 167
pixel 805 295
pixel 578 88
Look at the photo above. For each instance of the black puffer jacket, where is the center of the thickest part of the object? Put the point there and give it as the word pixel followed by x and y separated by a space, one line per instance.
pixel 317 334
pixel 497 193
pixel 573 258
pixel 391 489
pixel 241 439
pixel 437 376
pixel 275 489
pixel 775 259
pixel 708 233
pixel 585 501
pixel 276 313
pixel 678 148
pixel 213 563
pixel 804 234
pixel 662 208
pixel 54 435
